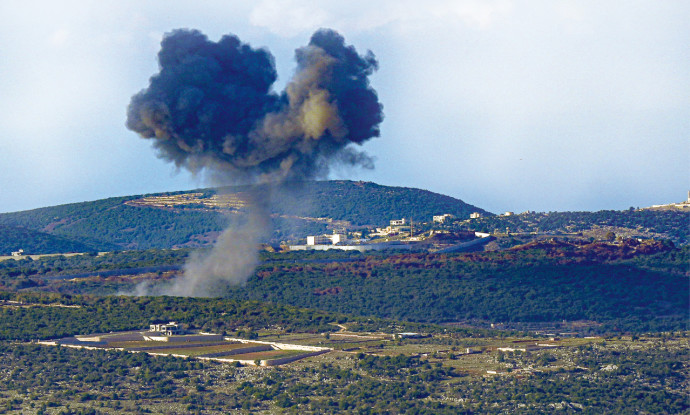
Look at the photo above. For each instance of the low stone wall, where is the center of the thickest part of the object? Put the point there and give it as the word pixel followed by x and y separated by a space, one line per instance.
pixel 176 345
pixel 284 360
pixel 181 339
pixel 220 359
pixel 282 346
pixel 380 246
pixel 253 346
pixel 360 248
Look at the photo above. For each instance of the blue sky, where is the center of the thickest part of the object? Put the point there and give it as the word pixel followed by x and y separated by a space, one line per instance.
pixel 509 105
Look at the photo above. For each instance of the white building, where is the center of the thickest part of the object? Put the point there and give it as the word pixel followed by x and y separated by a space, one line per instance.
pixel 336 238
pixel 398 222
pixel 318 240
pixel 169 329
pixel 443 218
pixel 18 253
pixel 475 215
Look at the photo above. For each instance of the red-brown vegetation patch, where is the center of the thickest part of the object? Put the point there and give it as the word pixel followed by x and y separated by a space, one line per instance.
pixel 202 239
pixel 595 251
pixel 51 226
pixel 328 291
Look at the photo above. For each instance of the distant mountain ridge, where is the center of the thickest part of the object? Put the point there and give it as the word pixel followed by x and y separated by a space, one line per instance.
pixel 194 218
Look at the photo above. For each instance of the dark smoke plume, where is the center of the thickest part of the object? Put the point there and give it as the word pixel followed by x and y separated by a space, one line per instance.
pixel 211 109
pixel 211 106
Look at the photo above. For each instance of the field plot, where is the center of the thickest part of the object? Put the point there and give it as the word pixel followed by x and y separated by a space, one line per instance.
pixel 214 350
pixel 196 345
pixel 269 354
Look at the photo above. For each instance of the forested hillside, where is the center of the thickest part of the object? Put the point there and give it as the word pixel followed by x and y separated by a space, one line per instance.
pixel 537 284
pixel 13 238
pixel 673 225
pixel 366 203
pixel 297 210
pixel 77 314
pixel 195 218
pixel 632 286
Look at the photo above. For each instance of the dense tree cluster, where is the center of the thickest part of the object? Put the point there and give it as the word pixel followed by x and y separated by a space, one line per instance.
pixel 44 316
pixel 540 283
pixel 512 286
pixel 27 272
pixel 13 238
pixel 365 203
pixel 668 224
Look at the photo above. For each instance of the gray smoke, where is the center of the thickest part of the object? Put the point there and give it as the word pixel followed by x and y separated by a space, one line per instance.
pixel 211 109
pixel 231 261
pixel 211 106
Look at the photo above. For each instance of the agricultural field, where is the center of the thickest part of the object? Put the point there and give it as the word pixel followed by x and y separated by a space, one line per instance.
pixel 375 365
pixel 437 373
pixel 193 345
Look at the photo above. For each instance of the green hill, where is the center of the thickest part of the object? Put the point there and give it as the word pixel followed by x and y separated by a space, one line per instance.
pixel 366 203
pixel 194 218
pixel 13 238
pixel 673 225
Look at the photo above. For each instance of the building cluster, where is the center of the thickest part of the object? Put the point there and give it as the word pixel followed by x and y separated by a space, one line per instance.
pixel 399 234
pixel 443 218
pixel 334 239
pixel 168 329
pixel 681 205
pixel 339 237
pixel 395 227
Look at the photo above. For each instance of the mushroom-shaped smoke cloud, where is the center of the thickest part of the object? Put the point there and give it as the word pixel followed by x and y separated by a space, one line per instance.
pixel 211 108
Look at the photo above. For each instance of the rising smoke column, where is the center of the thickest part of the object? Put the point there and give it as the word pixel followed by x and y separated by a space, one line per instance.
pixel 211 109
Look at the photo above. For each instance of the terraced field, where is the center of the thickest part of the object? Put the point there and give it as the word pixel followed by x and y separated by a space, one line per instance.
pixel 215 349
pixel 195 346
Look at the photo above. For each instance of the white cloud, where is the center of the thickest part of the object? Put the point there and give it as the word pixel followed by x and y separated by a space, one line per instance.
pixel 481 13
pixel 288 18
pixel 294 17
pixel 59 37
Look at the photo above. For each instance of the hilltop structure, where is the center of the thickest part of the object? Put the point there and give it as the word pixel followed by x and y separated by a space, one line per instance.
pixel 169 329
pixel 682 205
pixel 333 239
pixel 443 218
